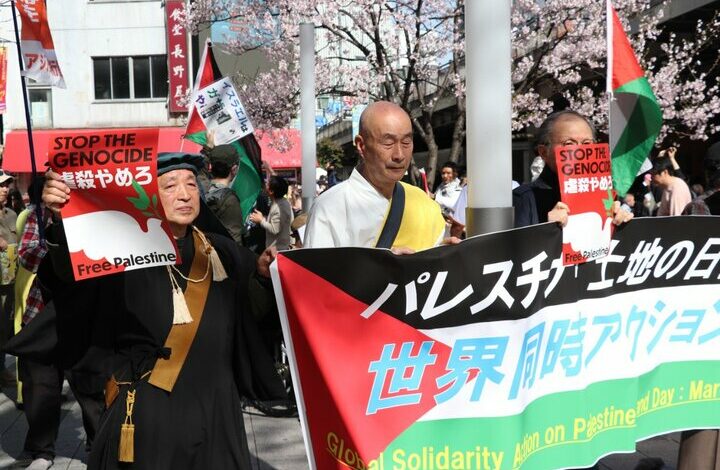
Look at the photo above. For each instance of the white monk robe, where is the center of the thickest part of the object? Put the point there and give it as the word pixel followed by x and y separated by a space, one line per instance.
pixel 353 213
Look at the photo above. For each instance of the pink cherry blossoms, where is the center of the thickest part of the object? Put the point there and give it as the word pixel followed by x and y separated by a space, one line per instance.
pixel 412 52
pixel 560 51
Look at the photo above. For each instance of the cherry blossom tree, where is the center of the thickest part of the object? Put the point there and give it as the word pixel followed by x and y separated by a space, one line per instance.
pixel 411 52
pixel 560 56
pixel 408 52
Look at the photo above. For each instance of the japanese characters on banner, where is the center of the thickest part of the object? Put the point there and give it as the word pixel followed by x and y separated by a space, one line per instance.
pixel 586 187
pixel 493 354
pixel 37 46
pixel 222 112
pixel 177 56
pixel 114 221
pixel 3 79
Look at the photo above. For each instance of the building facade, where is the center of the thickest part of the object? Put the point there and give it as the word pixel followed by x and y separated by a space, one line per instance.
pixel 114 59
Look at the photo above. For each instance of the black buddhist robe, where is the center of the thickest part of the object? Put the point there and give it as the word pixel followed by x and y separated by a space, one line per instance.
pixel 117 325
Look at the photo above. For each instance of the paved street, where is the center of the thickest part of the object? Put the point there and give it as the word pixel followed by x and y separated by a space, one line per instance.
pixel 275 443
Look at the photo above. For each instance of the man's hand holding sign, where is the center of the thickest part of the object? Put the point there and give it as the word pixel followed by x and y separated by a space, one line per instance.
pixel 55 192
pixel 586 186
pixel 561 211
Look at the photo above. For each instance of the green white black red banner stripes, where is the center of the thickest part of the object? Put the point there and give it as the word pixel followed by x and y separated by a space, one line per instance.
pixel 569 429
pixel 491 354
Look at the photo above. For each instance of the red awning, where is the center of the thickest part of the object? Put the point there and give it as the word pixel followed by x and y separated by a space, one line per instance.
pixel 16 158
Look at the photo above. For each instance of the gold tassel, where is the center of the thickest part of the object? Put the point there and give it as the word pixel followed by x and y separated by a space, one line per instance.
pixel 218 269
pixel 126 448
pixel 127 443
pixel 181 313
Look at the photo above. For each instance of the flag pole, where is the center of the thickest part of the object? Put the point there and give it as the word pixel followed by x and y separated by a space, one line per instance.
pixel 608 74
pixel 189 41
pixel 28 122
pixel 609 34
pixel 195 88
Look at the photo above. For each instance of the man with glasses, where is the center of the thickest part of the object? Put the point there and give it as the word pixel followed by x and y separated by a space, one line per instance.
pixel 539 201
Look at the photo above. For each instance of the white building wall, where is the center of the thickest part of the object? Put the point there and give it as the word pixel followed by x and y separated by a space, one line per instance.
pixel 82 30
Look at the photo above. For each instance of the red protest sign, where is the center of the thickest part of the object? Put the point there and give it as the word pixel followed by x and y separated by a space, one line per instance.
pixel 114 220
pixel 586 187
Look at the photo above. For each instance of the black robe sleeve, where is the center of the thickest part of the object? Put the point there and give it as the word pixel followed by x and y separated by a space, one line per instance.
pixel 255 373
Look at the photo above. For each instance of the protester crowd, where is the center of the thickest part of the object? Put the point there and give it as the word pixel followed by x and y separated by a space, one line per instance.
pixel 114 337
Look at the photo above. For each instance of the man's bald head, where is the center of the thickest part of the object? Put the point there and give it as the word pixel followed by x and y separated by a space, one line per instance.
pixel 375 111
pixel 385 144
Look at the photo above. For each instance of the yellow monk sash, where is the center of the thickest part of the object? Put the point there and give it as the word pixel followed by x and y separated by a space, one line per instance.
pixel 166 371
pixel 422 223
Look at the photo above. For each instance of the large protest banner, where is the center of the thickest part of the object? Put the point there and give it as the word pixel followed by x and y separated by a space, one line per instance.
pixel 113 221
pixel 493 355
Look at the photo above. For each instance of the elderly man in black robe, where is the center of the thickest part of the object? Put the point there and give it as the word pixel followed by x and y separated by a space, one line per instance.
pixel 172 341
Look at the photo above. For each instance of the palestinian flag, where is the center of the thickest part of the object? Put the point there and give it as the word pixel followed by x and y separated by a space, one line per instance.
pixel 635 116
pixel 248 183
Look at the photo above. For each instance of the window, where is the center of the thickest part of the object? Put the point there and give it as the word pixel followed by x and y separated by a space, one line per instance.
pixel 128 78
pixel 40 107
pixel 322 102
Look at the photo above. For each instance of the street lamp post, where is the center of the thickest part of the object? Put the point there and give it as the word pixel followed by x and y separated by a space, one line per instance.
pixel 307 113
pixel 489 103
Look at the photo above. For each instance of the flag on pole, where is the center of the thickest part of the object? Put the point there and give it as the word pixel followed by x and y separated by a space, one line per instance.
pixel 247 184
pixel 423 176
pixel 38 50
pixel 635 116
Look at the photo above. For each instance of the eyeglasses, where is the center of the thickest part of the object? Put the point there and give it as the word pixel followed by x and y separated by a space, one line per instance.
pixel 569 142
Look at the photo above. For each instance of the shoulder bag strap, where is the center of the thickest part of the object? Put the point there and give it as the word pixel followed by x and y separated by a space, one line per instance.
pixel 394 218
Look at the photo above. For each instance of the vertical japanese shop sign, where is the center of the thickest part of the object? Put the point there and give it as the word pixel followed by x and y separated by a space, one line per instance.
pixel 586 187
pixel 3 79
pixel 114 220
pixel 177 53
pixel 222 112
